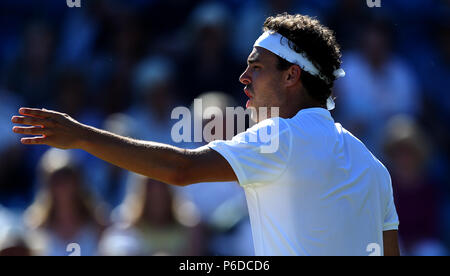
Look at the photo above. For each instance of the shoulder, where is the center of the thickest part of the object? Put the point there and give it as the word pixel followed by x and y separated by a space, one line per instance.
pixel 276 123
pixel 265 131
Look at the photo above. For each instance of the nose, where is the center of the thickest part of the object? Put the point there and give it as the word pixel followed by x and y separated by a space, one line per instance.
pixel 245 77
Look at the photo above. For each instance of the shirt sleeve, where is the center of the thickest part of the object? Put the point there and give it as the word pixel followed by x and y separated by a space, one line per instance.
pixel 260 154
pixel 391 221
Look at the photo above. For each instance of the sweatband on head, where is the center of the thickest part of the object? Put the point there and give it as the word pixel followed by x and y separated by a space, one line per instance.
pixel 279 45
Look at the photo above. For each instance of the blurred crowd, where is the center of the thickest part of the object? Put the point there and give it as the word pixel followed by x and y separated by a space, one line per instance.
pixel 124 65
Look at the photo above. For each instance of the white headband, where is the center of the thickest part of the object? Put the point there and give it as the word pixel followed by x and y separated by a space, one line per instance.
pixel 279 45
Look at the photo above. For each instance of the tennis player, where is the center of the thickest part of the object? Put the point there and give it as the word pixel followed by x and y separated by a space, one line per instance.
pixel 320 192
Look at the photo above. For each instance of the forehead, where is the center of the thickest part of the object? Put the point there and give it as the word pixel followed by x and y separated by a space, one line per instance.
pixel 262 55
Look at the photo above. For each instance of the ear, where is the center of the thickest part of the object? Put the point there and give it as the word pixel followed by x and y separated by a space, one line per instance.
pixel 292 75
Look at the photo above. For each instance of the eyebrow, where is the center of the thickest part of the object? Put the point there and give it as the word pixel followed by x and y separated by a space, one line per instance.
pixel 252 60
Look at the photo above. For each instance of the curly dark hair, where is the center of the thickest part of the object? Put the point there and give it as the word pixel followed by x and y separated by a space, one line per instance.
pixel 317 42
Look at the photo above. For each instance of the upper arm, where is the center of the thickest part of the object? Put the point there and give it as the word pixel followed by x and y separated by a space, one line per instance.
pixel 205 165
pixel 390 243
pixel 260 154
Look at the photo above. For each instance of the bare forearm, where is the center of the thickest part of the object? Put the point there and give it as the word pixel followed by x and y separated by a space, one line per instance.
pixel 162 162
pixel 155 160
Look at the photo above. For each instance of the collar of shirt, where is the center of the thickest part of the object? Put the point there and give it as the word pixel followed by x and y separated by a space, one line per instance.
pixel 315 110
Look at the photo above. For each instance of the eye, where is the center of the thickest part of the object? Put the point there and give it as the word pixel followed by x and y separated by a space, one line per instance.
pixel 256 67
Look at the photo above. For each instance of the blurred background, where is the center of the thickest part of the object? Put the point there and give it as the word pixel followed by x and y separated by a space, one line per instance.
pixel 124 65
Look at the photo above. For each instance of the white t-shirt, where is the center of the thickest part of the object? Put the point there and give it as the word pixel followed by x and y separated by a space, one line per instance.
pixel 321 192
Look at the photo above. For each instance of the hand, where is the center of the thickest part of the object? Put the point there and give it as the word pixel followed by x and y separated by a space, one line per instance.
pixel 48 128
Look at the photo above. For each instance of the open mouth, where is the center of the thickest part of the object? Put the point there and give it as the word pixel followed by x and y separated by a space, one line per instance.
pixel 247 92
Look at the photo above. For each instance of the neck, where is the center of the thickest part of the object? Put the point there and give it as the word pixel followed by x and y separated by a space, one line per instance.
pixel 293 107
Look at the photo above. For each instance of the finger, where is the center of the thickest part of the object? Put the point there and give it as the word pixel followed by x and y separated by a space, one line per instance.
pixel 32 121
pixel 31 130
pixel 34 140
pixel 36 112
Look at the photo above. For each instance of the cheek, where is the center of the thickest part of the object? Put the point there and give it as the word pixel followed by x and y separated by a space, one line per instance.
pixel 267 88
pixel 261 83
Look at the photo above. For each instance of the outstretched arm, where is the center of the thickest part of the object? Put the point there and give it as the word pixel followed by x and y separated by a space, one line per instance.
pixel 162 162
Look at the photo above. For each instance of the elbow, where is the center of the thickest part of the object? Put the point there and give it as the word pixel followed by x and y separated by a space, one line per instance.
pixel 178 180
pixel 180 176
pixel 186 170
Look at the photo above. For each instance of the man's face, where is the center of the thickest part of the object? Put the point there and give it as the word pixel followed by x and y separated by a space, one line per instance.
pixel 262 81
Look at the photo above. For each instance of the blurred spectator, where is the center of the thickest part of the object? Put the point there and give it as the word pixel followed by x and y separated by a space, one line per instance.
pixel 152 222
pixel 63 211
pixel 207 64
pixel 32 73
pixel 15 181
pixel 123 46
pixel 73 96
pixel 12 239
pixel 13 243
pixel 416 198
pixel 378 86
pixel 154 99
